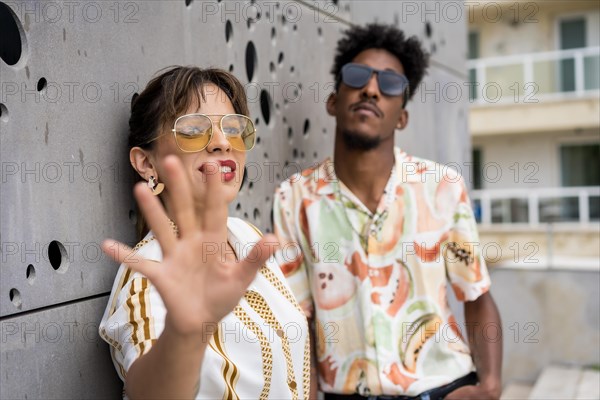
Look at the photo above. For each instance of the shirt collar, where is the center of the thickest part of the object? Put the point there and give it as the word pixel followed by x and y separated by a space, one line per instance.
pixel 407 171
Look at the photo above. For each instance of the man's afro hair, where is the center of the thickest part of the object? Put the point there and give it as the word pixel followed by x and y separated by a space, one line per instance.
pixel 377 36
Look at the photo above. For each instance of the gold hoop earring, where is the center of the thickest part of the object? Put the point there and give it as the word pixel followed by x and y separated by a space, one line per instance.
pixel 156 187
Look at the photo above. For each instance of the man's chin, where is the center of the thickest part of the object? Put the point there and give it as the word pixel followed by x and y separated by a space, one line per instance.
pixel 356 140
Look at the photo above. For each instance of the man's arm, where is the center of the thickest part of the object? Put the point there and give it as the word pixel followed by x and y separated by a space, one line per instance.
pixel 486 349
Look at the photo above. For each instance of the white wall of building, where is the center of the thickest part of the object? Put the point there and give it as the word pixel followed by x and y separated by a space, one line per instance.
pixel 526 161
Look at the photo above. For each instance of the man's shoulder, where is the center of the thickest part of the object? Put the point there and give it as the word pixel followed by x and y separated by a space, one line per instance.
pixel 414 168
pixel 310 179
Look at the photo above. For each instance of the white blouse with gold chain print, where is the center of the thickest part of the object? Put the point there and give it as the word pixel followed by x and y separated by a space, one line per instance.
pixel 258 351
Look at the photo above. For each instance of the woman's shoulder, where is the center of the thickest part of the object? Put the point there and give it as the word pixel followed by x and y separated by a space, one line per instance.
pixel 243 228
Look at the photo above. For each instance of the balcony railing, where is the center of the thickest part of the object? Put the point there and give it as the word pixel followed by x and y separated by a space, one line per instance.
pixel 529 78
pixel 534 207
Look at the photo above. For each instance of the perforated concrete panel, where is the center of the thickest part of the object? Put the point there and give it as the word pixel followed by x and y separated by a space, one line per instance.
pixel 66 181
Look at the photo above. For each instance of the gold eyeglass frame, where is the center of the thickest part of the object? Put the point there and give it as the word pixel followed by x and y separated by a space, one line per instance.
pixel 211 132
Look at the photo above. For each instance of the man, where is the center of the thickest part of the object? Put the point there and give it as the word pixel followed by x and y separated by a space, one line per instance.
pixel 378 233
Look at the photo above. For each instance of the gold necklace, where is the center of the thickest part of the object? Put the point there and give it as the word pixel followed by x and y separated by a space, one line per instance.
pixel 374 224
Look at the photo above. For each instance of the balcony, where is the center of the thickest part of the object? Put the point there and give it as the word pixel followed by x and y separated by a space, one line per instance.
pixel 533 207
pixel 534 77
pixel 546 228
pixel 535 93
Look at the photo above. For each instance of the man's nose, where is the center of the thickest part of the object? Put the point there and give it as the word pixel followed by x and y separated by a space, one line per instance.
pixel 371 89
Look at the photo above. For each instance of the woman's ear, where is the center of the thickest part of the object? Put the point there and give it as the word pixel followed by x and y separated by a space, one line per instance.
pixel 141 161
pixel 330 105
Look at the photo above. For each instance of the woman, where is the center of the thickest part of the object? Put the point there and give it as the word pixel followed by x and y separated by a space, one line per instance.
pixel 197 310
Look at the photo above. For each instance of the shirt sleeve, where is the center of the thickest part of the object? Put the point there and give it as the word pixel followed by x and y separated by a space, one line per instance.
pixel 465 265
pixel 135 323
pixel 290 257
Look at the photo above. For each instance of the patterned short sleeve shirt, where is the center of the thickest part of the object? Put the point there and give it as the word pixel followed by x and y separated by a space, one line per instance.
pixel 377 281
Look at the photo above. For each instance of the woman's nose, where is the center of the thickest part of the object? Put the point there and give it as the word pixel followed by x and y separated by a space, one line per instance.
pixel 218 141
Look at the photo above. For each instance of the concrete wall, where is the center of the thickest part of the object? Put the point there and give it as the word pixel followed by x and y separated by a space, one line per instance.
pixel 549 316
pixel 66 181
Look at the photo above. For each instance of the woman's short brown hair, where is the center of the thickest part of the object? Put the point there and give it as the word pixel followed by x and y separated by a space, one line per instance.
pixel 169 95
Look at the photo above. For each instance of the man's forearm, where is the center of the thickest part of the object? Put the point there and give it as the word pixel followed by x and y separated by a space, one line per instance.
pixel 485 340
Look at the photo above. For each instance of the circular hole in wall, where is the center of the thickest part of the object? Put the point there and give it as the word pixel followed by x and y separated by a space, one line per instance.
pixel 188 2
pixel 428 29
pixel 30 274
pixel 57 254
pixel 250 60
pixel 256 213
pixel 228 31
pixel 15 297
pixel 41 85
pixel 280 57
pixel 265 106
pixel 306 127
pixel 3 113
pixel 12 35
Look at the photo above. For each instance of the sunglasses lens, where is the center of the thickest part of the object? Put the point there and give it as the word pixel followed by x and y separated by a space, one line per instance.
pixel 239 130
pixel 356 76
pixel 193 132
pixel 391 83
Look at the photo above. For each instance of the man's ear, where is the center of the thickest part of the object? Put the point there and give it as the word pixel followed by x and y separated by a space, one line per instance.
pixel 331 100
pixel 403 120
pixel 142 161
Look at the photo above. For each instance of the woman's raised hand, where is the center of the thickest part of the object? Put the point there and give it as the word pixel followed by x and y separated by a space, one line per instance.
pixel 196 283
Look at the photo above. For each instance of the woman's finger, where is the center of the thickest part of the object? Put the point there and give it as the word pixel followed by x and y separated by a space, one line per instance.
pixel 180 195
pixel 257 257
pixel 214 204
pixel 124 254
pixel 156 217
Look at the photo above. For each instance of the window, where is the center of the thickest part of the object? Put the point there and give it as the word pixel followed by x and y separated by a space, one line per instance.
pixel 473 45
pixel 572 36
pixel 477 168
pixel 580 166
pixel 473 54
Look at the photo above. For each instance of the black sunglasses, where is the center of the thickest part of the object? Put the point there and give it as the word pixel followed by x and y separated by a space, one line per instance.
pixel 390 83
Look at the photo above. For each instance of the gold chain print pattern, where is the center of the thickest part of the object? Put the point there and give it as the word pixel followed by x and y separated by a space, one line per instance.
pixel 272 278
pixel 260 306
pixel 265 349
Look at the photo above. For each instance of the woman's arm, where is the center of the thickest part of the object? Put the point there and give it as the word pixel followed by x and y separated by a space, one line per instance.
pixel 197 284
pixel 170 370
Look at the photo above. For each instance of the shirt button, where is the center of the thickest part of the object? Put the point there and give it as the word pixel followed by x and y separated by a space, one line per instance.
pixel 292 384
pixel 279 332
